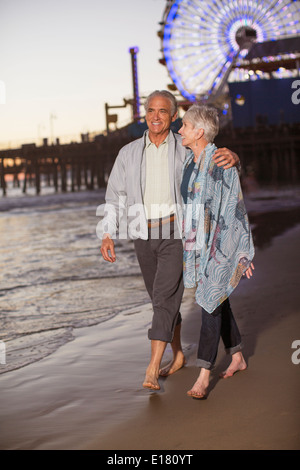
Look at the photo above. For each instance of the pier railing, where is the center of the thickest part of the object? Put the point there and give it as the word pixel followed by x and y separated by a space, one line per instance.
pixel 69 167
pixel 272 154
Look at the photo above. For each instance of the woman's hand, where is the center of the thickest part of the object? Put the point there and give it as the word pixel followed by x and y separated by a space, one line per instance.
pixel 249 271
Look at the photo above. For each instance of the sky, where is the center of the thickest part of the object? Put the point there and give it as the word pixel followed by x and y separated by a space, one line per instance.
pixel 67 58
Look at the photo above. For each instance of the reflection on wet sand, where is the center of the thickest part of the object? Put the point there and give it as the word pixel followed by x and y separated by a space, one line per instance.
pixel 268 225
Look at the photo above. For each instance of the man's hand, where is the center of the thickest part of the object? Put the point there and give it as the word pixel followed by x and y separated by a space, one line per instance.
pixel 107 247
pixel 226 158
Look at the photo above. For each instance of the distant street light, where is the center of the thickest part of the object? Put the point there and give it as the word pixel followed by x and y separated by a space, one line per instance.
pixel 52 116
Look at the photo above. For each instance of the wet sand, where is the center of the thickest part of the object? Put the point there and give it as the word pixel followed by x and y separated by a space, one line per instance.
pixel 256 409
pixel 88 394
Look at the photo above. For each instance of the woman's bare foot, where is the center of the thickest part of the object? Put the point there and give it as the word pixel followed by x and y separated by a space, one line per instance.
pixel 151 382
pixel 237 364
pixel 199 389
pixel 177 363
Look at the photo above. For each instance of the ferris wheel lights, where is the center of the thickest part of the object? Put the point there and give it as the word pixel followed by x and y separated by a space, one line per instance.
pixel 240 100
pixel 197 43
pixel 244 52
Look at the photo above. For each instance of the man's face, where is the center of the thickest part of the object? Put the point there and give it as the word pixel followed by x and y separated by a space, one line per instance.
pixel 159 117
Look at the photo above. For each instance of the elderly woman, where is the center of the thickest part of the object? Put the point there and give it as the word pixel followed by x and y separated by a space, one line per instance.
pixel 218 247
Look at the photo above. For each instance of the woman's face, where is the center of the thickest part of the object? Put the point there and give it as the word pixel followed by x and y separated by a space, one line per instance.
pixel 188 133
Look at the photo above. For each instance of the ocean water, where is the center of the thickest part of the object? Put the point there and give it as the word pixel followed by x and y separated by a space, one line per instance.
pixel 53 278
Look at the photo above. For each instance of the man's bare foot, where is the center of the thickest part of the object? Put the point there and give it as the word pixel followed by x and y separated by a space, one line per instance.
pixel 199 389
pixel 151 382
pixel 177 363
pixel 152 371
pixel 238 363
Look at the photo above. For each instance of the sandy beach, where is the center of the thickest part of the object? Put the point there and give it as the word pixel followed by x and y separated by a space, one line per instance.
pixel 88 393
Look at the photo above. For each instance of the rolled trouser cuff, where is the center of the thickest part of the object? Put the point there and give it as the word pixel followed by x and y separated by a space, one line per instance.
pixel 204 364
pixel 234 349
pixel 158 335
pixel 162 334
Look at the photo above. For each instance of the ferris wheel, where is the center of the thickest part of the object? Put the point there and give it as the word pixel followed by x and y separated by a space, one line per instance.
pixel 203 39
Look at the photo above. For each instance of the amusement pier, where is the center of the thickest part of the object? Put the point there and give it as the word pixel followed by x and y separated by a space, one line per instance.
pixel 246 64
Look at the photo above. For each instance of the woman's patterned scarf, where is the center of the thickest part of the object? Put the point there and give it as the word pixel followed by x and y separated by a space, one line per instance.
pixel 217 239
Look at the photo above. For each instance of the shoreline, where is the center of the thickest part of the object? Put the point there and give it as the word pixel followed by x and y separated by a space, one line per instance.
pixel 260 199
pixel 89 395
pixel 38 327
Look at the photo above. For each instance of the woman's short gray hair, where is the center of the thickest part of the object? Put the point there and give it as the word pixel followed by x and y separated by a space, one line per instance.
pixel 204 117
pixel 163 94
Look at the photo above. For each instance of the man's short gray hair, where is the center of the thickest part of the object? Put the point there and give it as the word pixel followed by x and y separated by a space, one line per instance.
pixel 163 94
pixel 204 117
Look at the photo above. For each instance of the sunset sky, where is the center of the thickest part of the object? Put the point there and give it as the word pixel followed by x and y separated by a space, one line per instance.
pixel 66 58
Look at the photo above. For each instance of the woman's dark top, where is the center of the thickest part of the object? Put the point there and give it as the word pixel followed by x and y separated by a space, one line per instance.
pixel 185 181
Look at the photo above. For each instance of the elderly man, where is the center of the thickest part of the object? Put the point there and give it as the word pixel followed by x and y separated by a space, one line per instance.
pixel 147 174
